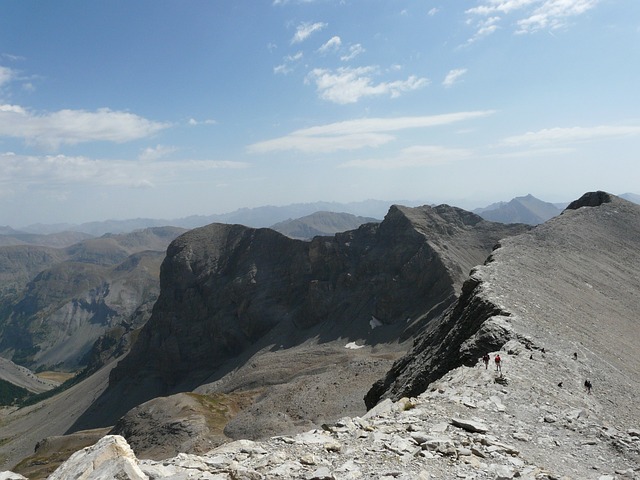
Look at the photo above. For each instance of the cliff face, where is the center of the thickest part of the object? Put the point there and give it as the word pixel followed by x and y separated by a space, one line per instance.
pixel 567 286
pixel 227 289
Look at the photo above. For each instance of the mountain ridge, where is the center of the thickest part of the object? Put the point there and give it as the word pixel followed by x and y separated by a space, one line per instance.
pixel 227 289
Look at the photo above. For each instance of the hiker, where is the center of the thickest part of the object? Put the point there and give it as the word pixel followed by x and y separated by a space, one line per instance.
pixel 587 386
pixel 485 359
pixel 498 361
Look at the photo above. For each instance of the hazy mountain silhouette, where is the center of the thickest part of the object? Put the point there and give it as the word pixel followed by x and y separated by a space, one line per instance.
pixel 527 209
pixel 320 224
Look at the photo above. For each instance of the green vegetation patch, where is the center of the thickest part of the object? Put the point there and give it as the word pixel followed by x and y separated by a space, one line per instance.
pixel 11 394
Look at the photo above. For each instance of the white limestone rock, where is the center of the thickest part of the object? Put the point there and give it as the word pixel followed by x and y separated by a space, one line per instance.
pixel 110 457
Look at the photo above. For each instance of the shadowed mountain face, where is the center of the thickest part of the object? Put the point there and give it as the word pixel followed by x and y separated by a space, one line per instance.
pixel 55 303
pixel 567 286
pixel 228 291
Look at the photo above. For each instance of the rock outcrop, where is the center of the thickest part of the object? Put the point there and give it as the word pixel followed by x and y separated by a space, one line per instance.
pixel 231 292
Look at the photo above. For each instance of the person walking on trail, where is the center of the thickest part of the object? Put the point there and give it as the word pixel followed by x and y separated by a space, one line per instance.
pixel 485 359
pixel 588 386
pixel 498 361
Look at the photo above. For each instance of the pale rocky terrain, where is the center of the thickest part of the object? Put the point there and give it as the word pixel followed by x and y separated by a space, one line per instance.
pixel 474 424
pixel 23 377
pixel 559 303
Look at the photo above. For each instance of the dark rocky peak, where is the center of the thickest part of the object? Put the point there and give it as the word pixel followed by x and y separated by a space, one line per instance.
pixel 229 290
pixel 442 219
pixel 591 199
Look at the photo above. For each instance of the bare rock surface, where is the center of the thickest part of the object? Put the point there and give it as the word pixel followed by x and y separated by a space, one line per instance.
pixel 23 377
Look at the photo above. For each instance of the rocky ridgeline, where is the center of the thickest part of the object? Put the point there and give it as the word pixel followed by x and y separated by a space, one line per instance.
pixel 473 424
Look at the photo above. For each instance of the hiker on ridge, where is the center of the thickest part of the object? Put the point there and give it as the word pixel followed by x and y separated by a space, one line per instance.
pixel 485 359
pixel 498 361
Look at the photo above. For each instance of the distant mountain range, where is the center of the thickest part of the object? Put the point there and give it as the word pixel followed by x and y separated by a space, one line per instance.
pixel 321 223
pixel 258 217
pixel 527 209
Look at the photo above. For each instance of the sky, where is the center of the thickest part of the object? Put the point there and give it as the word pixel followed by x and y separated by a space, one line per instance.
pixel 123 109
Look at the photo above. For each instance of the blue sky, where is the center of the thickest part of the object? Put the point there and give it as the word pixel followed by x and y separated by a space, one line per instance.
pixel 151 108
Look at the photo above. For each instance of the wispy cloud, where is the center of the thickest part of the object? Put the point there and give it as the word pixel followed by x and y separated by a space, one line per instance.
pixel 416 156
pixel 305 30
pixel 288 63
pixel 484 27
pixel 157 152
pixel 194 123
pixel 453 76
pixel 529 16
pixel 348 85
pixel 554 14
pixel 332 45
pixel 356 134
pixel 566 135
pixel 433 11
pixel 70 127
pixel 6 75
pixel 354 51
pixel 71 170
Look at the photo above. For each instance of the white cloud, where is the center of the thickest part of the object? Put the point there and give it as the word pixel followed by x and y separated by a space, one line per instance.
pixel 62 170
pixel 287 66
pixel 416 156
pixel 531 15
pixel 348 85
pixel 453 76
pixel 154 153
pixel 553 14
pixel 70 127
pixel 484 28
pixel 355 134
pixel 322 144
pixel 433 11
pixel 354 51
pixel 571 135
pixel 331 45
pixel 193 122
pixel 305 30
pixel 6 75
